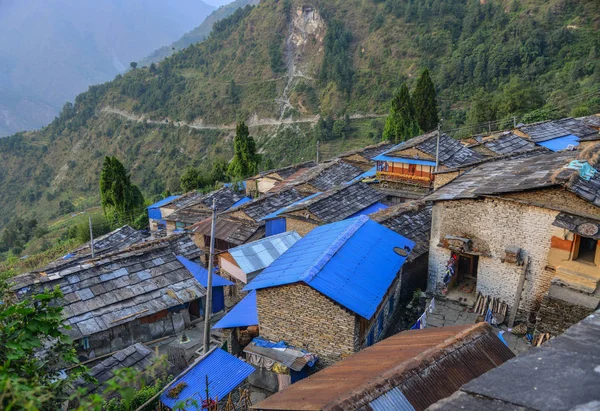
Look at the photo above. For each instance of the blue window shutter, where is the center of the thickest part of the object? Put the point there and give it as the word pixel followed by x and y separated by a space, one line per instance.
pixel 370 337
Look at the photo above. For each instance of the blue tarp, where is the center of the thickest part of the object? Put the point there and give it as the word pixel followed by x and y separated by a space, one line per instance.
pixel 240 202
pixel 70 255
pixel 154 209
pixel 367 174
pixel 560 143
pixel 275 226
pixel 373 208
pixel 225 372
pixel 353 262
pixel 201 274
pixel 243 314
pixel 284 209
pixel 390 159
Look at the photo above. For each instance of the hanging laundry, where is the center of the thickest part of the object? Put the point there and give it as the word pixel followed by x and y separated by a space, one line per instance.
pixel 424 320
pixel 417 325
pixel 284 380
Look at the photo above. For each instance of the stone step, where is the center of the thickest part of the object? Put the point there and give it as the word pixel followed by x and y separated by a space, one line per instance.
pixel 575 280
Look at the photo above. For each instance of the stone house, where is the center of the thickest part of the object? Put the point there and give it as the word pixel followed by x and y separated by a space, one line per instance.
pixel 200 208
pixel 556 135
pixel 335 290
pixel 336 204
pixel 135 295
pixel 155 218
pixel 406 171
pixel 363 157
pixel 264 181
pixel 503 224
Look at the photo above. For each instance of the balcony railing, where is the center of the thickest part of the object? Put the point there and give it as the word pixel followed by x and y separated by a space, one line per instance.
pixel 420 178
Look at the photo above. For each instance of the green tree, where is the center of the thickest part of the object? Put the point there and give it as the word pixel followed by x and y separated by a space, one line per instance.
pixel 401 123
pixel 133 65
pixel 191 179
pixel 121 201
pixel 245 159
pixel 425 102
pixel 219 171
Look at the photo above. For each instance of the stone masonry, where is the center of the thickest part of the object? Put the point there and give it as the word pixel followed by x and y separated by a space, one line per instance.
pixel 305 318
pixel 493 225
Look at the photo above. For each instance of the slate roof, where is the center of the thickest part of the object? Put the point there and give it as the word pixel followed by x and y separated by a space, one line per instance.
pixel 268 203
pixel 549 130
pixel 117 289
pixel 452 153
pixel 562 374
pixel 370 151
pixel 411 220
pixel 331 174
pixel 184 200
pixel 285 172
pixel 116 240
pixel 200 208
pixel 508 143
pixel 424 365
pixel 591 121
pixel 515 175
pixel 353 262
pixel 136 356
pixel 232 230
pixel 340 202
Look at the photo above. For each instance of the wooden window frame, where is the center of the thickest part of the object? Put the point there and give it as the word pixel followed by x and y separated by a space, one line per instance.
pixel 575 251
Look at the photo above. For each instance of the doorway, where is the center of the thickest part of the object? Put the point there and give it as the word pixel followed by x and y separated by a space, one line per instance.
pixel 463 288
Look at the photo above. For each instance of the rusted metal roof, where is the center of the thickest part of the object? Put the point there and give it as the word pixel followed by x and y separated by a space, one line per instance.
pixel 425 365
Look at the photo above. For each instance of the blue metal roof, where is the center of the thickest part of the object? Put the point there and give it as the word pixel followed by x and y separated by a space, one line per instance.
pixel 353 262
pixel 259 254
pixel 284 209
pixel 560 143
pixel 242 314
pixel 244 200
pixel 373 208
pixel 390 159
pixel 154 209
pixel 369 173
pixel 201 274
pixel 225 372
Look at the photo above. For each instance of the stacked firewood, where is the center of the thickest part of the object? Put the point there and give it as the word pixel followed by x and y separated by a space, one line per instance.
pixel 484 302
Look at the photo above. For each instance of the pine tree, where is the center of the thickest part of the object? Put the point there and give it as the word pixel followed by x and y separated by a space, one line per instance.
pixel 425 102
pixel 245 159
pixel 401 123
pixel 121 201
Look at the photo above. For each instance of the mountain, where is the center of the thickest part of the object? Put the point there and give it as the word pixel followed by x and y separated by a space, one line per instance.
pixel 283 64
pixel 199 33
pixel 51 50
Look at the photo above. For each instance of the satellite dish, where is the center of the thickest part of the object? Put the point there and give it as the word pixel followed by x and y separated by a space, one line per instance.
pixel 403 252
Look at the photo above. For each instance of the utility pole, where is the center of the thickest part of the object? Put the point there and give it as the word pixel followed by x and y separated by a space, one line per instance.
pixel 514 121
pixel 91 237
pixel 437 146
pixel 211 257
pixel 318 151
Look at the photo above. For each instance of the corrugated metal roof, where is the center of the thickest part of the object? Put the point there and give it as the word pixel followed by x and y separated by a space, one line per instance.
pixel 423 364
pixel 260 254
pixel 393 400
pixel 243 314
pixel 201 274
pixel 367 174
pixel 353 262
pixel 561 143
pixel 224 371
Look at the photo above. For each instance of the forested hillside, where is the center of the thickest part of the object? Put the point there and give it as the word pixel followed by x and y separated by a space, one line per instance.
pixel 283 64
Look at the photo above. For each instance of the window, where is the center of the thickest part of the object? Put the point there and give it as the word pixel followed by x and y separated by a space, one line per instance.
pixel 585 249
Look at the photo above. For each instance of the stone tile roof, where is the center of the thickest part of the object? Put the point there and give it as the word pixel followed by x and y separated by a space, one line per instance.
pixel 562 374
pixel 268 203
pixel 452 153
pixel 370 151
pixel 232 230
pixel 200 208
pixel 284 172
pixel 116 240
pixel 330 174
pixel 515 175
pixel 508 143
pixel 340 202
pixel 591 121
pixel 548 130
pixel 137 356
pixel 411 220
pixel 115 289
pixel 185 200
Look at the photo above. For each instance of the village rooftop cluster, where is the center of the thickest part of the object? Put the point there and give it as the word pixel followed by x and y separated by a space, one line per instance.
pixel 393 277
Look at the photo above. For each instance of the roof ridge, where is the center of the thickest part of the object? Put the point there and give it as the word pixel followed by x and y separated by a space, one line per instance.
pixel 330 251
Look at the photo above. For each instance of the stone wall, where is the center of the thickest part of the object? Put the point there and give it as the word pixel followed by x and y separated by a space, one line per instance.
pixel 493 225
pixel 556 315
pixel 557 199
pixel 444 178
pixel 305 318
pixel 298 225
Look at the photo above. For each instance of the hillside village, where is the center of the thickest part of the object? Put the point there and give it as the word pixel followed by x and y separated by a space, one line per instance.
pixel 434 273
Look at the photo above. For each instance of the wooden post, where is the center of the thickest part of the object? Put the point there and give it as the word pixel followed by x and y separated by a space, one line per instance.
pixel 211 257
pixel 515 307
pixel 91 237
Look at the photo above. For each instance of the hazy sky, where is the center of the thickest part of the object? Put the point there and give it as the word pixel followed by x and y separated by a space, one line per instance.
pixel 217 3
